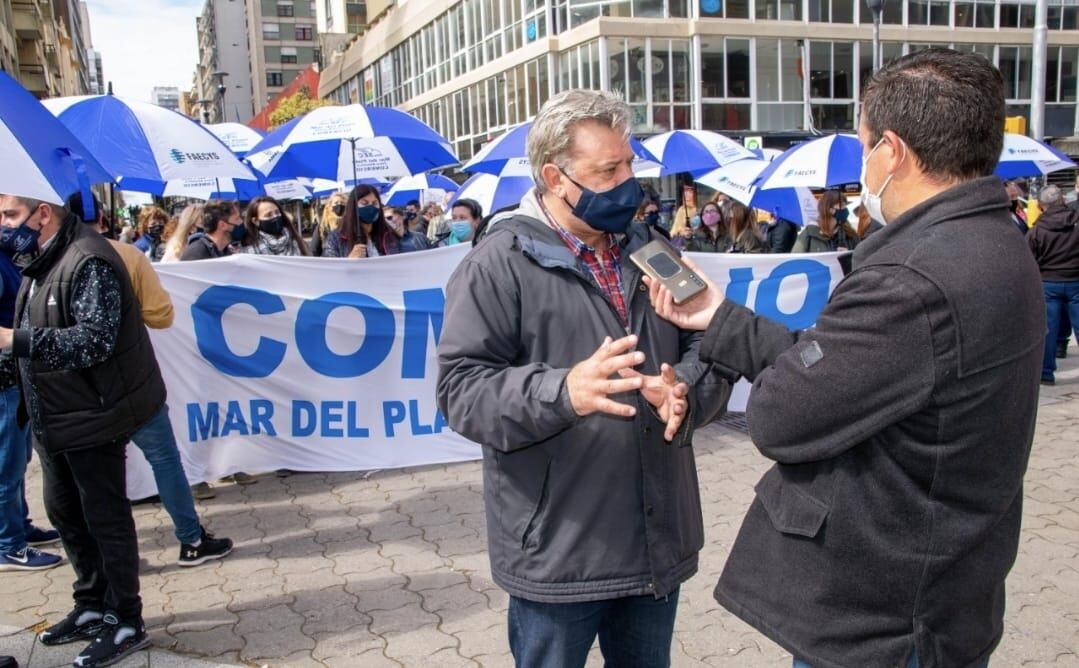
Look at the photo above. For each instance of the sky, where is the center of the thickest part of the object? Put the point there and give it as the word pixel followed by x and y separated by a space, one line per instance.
pixel 145 43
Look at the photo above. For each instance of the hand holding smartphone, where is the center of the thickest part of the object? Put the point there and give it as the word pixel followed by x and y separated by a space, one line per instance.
pixel 662 263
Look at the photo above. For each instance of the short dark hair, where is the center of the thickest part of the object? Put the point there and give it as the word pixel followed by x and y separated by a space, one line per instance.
pixel 474 208
pixel 946 105
pixel 412 202
pixel 215 211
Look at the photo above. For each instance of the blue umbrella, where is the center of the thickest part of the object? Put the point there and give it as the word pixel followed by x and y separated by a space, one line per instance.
pixel 42 159
pixel 736 181
pixel 507 155
pixel 352 142
pixel 826 162
pixel 1022 156
pixel 692 151
pixel 238 137
pixel 412 187
pixel 494 192
pixel 144 146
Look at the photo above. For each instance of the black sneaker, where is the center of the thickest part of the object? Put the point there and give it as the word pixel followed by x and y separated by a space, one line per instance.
pixel 36 537
pixel 1062 350
pixel 115 641
pixel 208 548
pixel 79 624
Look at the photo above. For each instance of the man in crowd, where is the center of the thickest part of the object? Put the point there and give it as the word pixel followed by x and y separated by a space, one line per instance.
pixel 593 510
pixel 18 537
pixel 1054 240
pixel 89 380
pixel 156 438
pixel 223 224
pixel 884 533
pixel 466 215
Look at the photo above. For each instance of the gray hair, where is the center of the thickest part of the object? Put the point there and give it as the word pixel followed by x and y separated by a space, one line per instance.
pixel 1050 196
pixel 550 140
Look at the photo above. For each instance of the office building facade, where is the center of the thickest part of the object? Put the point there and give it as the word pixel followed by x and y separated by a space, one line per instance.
pixel 43 45
pixel 222 82
pixel 166 96
pixel 282 39
pixel 473 68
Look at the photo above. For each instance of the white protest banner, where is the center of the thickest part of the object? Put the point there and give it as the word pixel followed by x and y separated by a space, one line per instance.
pixel 322 364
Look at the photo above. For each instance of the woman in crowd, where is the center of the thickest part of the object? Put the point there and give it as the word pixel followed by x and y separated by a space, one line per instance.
pixel 431 216
pixel 866 225
pixel 832 232
pixel 686 211
pixel 466 215
pixel 648 215
pixel 270 231
pixel 744 232
pixel 148 232
pixel 362 229
pixel 332 213
pixel 186 225
pixel 712 236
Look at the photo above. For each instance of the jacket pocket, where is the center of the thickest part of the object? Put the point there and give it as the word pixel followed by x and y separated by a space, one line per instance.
pixel 530 536
pixel 791 510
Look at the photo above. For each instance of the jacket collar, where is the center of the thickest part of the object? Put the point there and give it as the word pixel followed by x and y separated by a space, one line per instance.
pixel 977 196
pixel 543 244
pixel 55 249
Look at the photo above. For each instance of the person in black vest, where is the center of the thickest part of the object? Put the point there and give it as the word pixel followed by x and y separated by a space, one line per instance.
pixel 89 380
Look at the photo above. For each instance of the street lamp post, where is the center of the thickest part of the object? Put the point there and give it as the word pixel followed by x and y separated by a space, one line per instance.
pixel 876 6
pixel 221 88
pixel 1041 36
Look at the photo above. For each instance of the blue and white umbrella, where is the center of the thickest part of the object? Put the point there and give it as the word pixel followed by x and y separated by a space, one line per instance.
pixel 42 159
pixel 144 146
pixel 352 142
pixel 826 162
pixel 238 137
pixel 494 192
pixel 412 188
pixel 798 205
pixel 692 151
pixel 1024 157
pixel 507 155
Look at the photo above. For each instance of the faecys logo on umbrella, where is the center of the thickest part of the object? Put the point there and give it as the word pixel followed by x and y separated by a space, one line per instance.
pixel 180 157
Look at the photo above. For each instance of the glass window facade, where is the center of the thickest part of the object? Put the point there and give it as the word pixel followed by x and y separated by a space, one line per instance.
pixel 737 81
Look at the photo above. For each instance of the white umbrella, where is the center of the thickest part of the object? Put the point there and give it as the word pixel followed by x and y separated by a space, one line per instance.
pixel 1023 157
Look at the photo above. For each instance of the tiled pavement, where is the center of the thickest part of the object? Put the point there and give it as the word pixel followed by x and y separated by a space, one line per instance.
pixel 347 569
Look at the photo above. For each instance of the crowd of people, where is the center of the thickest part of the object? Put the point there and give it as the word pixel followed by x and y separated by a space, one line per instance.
pixel 594 513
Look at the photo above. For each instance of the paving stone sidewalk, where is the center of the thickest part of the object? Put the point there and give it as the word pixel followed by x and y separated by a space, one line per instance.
pixel 348 569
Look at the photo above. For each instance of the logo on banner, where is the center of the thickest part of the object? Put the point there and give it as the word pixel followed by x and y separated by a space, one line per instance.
pixel 177 156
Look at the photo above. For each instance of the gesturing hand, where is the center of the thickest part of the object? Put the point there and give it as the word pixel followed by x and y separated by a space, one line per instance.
pixel 589 382
pixel 694 314
pixel 666 394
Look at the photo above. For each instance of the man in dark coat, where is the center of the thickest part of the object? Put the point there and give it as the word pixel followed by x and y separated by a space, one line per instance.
pixel 1054 241
pixel 885 531
pixel 590 486
pixel 89 380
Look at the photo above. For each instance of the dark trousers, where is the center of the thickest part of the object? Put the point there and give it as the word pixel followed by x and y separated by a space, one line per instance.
pixel 86 501
pixel 634 632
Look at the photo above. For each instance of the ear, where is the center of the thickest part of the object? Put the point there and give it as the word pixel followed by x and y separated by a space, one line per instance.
pixel 897 151
pixel 553 178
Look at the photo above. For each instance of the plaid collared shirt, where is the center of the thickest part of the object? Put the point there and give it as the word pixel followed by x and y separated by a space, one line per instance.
pixel 606 269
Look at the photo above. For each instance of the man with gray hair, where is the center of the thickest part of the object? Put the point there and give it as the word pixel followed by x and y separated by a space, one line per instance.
pixel 1054 240
pixel 583 399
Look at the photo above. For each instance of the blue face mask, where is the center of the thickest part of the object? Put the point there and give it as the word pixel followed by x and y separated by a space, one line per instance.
pixel 367 213
pixel 611 210
pixel 21 240
pixel 462 229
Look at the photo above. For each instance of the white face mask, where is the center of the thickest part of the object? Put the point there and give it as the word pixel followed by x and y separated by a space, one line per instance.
pixel 871 201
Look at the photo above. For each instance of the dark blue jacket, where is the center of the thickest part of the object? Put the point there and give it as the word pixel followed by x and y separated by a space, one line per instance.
pixel 10 278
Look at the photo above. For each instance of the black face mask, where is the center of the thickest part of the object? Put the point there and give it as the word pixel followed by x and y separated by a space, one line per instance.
pixel 155 231
pixel 651 219
pixel 273 226
pixel 338 210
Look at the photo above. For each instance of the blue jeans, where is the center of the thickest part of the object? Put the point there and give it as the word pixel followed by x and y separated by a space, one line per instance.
pixel 14 454
pixel 158 445
pixel 635 631
pixel 1060 298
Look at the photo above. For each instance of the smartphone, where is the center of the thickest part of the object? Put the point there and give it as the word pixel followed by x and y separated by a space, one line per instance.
pixel 661 262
